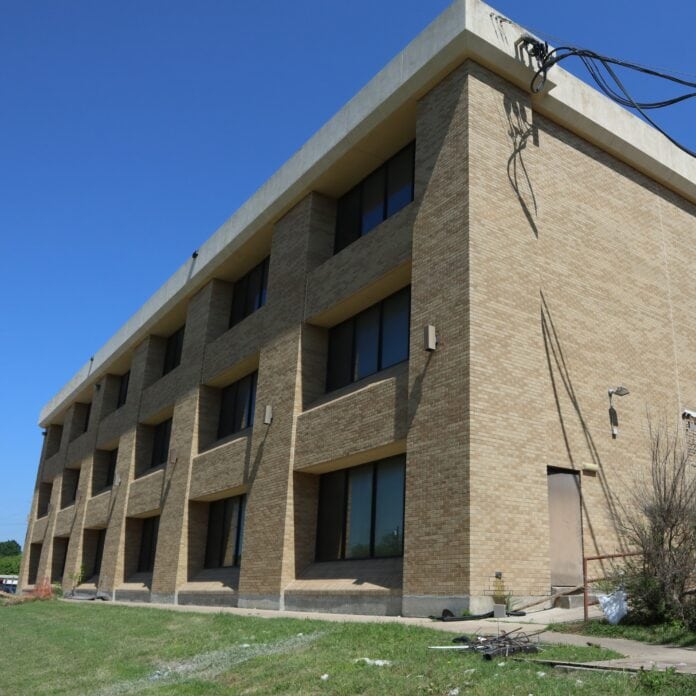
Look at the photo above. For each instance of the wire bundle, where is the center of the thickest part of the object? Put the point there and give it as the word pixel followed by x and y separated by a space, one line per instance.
pixel 606 78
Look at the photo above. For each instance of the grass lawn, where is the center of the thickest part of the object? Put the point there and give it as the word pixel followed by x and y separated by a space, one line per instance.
pixel 661 634
pixel 62 648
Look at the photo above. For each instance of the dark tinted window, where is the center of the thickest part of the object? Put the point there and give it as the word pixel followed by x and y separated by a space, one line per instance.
pixel 359 519
pixel 332 503
pixel 400 180
pixel 249 293
pixel 43 503
pixel 75 484
pixel 348 220
pixel 371 341
pixel 237 405
pixel 71 481
pixel 88 413
pixel 122 389
pixel 384 192
pixel 172 354
pixel 148 545
pixel 373 200
pixel 224 541
pixel 395 328
pixel 99 552
pixel 389 508
pixel 111 468
pixel 160 443
pixel 367 342
pixel 340 363
pixel 361 511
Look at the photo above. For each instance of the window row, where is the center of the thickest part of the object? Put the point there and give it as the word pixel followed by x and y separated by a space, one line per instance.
pixel 384 192
pixel 360 516
pixel 371 341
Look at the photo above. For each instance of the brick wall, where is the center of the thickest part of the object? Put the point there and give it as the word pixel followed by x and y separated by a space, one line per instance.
pixel 550 272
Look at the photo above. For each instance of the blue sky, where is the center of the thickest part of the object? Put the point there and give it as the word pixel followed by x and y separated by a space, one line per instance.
pixel 130 131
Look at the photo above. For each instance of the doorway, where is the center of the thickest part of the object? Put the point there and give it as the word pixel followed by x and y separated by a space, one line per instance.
pixel 565 522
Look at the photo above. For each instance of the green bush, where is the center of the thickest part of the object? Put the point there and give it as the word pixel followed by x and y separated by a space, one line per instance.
pixel 660 522
pixel 9 565
pixel 10 548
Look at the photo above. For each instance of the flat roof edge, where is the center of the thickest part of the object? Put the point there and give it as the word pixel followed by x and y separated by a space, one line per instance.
pixel 466 29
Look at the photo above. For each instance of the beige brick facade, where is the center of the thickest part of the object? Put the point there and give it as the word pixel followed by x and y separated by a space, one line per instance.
pixel 551 271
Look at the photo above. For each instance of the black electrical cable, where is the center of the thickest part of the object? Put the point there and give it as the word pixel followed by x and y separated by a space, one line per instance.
pixel 606 78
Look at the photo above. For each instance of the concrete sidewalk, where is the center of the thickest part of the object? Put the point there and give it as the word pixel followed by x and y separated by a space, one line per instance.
pixel 637 655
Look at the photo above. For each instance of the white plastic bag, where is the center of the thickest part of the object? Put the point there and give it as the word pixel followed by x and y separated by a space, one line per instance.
pixel 614 606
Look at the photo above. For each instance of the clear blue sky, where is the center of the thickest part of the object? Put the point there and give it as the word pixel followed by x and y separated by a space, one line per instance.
pixel 130 131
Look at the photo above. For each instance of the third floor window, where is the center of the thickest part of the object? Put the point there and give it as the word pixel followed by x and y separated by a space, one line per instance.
pixel 249 292
pixel 384 192
pixel 173 349
pixel 122 389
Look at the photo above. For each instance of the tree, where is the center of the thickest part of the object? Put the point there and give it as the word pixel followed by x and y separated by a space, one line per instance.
pixel 9 565
pixel 660 522
pixel 9 548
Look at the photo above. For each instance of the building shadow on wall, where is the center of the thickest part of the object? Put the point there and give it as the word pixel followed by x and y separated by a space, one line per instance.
pixel 414 398
pixel 562 384
pixel 519 132
pixel 251 468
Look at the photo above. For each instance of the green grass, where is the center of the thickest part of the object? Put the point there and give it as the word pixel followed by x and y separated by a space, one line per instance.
pixel 63 648
pixel 661 634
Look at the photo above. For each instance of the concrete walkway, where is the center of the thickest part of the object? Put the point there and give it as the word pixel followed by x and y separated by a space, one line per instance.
pixel 637 655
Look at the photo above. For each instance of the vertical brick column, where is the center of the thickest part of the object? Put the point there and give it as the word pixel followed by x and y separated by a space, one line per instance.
pixel 172 544
pixel 300 243
pixel 111 574
pixel 508 374
pixel 73 559
pixel 47 448
pixel 436 553
pixel 51 471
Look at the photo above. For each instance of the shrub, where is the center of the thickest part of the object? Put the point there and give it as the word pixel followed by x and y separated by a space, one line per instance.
pixel 660 522
pixel 9 565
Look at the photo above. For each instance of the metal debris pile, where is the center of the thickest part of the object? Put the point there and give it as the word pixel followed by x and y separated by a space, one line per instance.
pixel 502 645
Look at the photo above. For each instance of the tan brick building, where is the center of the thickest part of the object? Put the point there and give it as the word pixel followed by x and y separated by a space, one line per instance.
pixel 270 431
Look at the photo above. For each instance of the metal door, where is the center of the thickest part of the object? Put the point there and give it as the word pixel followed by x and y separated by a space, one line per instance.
pixel 565 523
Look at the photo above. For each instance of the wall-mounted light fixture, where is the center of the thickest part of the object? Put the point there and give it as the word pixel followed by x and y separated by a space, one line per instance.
pixel 268 415
pixel 613 416
pixel 429 338
pixel 689 417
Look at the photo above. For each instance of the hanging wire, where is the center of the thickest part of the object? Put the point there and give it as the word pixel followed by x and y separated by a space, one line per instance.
pixel 607 79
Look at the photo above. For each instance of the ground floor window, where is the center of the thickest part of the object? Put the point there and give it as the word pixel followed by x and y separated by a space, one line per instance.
pixel 361 511
pixel 148 545
pixel 223 547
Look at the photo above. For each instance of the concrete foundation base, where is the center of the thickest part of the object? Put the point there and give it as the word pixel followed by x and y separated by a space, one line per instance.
pixel 433 605
pixel 259 602
pixel 208 599
pixel 162 598
pixel 132 596
pixel 358 603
